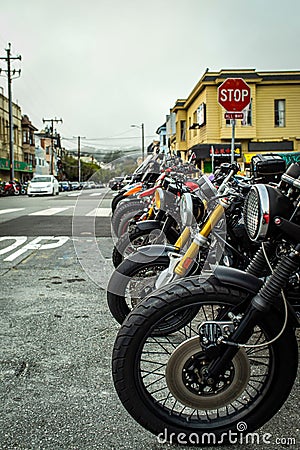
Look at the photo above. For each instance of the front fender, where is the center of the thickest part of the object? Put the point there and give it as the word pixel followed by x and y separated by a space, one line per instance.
pixel 154 251
pixel 237 278
pixel 149 225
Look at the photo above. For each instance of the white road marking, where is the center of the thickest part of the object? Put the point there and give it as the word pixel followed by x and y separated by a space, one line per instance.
pixel 94 194
pixel 19 240
pixel 5 211
pixel 35 245
pixel 99 212
pixel 50 211
pixel 74 194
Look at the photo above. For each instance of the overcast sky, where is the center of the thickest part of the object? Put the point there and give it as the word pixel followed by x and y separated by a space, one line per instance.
pixel 102 65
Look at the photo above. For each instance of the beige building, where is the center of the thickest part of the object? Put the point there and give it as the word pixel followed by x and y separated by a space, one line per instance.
pixel 24 149
pixel 271 123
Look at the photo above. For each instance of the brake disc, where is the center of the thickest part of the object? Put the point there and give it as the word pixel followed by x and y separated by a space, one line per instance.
pixel 185 377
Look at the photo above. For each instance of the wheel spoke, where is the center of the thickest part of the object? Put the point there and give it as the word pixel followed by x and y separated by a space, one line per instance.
pixel 158 350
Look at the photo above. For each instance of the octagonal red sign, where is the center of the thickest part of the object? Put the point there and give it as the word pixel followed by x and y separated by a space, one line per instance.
pixel 234 94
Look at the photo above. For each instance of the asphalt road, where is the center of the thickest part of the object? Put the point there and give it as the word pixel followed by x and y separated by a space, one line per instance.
pixel 57 333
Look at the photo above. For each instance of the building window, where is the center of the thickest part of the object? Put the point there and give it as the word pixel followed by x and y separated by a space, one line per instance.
pixel 25 137
pixel 247 120
pixel 279 113
pixel 195 121
pixel 183 130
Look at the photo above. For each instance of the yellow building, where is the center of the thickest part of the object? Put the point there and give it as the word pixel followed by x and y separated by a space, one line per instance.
pixel 23 142
pixel 270 124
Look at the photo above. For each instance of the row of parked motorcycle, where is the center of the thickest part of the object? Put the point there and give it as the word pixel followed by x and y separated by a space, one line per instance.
pixel 206 290
pixel 12 188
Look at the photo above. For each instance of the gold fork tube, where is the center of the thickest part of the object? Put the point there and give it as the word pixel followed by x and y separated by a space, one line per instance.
pixel 212 220
pixel 183 238
pixel 193 250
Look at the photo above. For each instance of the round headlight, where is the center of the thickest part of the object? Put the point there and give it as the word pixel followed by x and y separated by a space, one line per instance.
pixel 186 210
pixel 263 203
pixel 257 212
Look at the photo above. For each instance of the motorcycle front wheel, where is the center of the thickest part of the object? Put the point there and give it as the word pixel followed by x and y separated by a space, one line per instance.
pixel 133 280
pixel 131 241
pixel 158 378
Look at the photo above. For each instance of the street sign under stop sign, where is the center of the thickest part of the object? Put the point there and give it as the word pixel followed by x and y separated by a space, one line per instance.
pixel 234 95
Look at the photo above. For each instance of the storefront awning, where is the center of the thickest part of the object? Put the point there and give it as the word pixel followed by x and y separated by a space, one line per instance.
pixel 203 151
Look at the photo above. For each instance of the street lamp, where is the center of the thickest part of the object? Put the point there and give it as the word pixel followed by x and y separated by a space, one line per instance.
pixel 141 127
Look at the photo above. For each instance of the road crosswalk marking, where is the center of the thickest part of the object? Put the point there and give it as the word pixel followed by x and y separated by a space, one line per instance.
pixel 95 194
pixel 96 212
pixel 99 212
pixel 5 211
pixel 49 211
pixel 74 194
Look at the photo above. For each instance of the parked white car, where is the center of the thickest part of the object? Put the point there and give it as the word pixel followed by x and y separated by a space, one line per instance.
pixel 43 185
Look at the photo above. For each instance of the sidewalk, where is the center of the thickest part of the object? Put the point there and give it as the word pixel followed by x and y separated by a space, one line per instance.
pixel 55 364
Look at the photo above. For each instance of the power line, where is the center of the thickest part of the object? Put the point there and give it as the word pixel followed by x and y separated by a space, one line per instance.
pixel 112 138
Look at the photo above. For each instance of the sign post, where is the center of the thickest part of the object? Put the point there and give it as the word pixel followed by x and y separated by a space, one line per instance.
pixel 234 95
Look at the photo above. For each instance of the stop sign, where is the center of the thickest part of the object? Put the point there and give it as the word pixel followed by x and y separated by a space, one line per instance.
pixel 234 94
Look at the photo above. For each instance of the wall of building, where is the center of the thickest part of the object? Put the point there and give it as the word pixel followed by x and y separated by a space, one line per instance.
pixel 265 89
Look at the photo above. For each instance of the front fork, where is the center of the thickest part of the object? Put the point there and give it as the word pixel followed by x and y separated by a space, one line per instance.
pixel 180 265
pixel 259 307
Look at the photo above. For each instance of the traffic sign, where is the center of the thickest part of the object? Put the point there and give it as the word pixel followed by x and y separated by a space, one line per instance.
pixel 234 94
pixel 237 115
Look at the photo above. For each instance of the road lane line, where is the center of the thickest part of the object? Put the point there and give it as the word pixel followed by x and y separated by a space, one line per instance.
pixel 49 211
pixel 5 211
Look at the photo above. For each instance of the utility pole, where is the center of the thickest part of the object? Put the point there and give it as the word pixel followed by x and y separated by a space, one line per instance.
pixel 9 73
pixel 143 141
pixel 52 137
pixel 78 156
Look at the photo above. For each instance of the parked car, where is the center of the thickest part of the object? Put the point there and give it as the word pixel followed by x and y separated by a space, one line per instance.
pixel 92 184
pixel 75 185
pixel 43 185
pixel 115 183
pixel 64 186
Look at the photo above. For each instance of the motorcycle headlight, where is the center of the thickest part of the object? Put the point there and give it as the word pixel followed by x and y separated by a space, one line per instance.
pixel 263 203
pixel 160 198
pixel 186 210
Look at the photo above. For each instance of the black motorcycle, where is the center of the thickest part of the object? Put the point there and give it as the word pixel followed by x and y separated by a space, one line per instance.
pixel 233 361
pixel 202 240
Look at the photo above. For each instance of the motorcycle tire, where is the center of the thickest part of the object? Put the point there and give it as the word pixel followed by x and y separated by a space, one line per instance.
pixel 134 206
pixel 127 219
pixel 140 270
pixel 155 376
pixel 117 199
pixel 131 241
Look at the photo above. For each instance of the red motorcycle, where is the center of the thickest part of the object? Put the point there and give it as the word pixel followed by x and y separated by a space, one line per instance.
pixel 12 188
